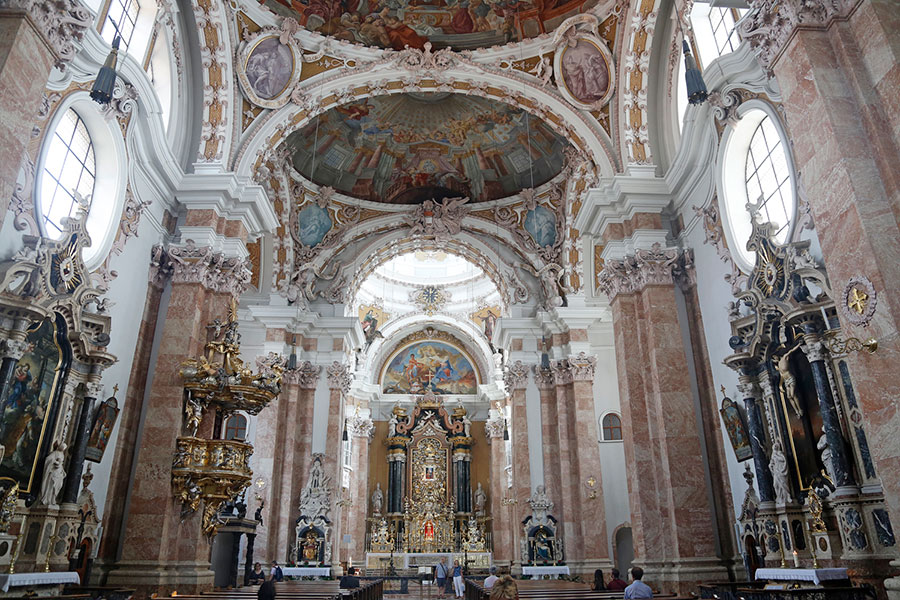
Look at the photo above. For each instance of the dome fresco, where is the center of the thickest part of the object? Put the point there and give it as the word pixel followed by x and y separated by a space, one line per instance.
pixel 407 148
pixel 460 24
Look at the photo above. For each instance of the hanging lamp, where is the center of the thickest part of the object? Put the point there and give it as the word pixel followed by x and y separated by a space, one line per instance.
pixel 102 90
pixel 696 87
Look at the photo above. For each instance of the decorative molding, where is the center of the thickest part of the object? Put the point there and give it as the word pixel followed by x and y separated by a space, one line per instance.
pixel 306 375
pixel 858 300
pixel 339 377
pixel 543 376
pixel 515 377
pixel 216 78
pixel 200 264
pixel 441 221
pixel 656 266
pixel 15 349
pixel 581 367
pixel 360 427
pixel 494 427
pixel 61 23
pixel 771 23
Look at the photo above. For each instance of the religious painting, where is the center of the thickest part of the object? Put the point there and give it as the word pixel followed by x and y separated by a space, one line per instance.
pixel 487 319
pixel 270 70
pixel 371 317
pixel 411 147
pixel 736 428
pixel 584 72
pixel 540 223
pixel 101 430
pixel 313 223
pixel 26 403
pixel 435 366
pixel 460 24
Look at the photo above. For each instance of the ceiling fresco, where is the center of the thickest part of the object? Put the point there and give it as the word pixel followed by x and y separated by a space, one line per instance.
pixel 460 24
pixel 407 148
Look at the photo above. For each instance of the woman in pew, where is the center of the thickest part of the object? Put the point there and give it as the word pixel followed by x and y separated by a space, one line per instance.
pixel 505 589
pixel 257 575
pixel 598 581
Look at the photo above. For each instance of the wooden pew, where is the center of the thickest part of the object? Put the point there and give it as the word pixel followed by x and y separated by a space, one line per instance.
pixel 554 590
pixel 300 590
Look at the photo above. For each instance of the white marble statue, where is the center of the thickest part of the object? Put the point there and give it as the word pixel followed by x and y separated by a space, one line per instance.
pixel 377 500
pixel 480 500
pixel 778 466
pixel 467 425
pixel 823 447
pixel 315 499
pixel 540 503
pixel 54 475
pixel 392 425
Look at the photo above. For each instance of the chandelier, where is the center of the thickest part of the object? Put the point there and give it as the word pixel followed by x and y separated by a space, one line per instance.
pixel 215 471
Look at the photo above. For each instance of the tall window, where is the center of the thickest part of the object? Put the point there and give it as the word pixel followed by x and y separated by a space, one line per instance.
pixel 715 30
pixel 69 171
pixel 768 177
pixel 236 428
pixel 612 427
pixel 121 19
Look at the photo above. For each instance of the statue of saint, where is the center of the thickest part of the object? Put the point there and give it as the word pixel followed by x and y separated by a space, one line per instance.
pixel 377 500
pixel 823 447
pixel 778 466
pixel 392 425
pixel 480 500
pixel 467 425
pixel 54 475
pixel 788 381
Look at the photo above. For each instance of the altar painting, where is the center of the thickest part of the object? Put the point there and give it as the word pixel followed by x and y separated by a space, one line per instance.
pixel 435 366
pixel 26 404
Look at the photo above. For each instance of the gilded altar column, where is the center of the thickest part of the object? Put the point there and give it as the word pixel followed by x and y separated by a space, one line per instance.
pixel 672 518
pixel 838 67
pixel 501 534
pixel 162 551
pixel 360 428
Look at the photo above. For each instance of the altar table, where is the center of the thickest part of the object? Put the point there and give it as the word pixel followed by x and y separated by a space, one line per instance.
pixel 553 571
pixel 306 571
pixel 30 579
pixel 815 576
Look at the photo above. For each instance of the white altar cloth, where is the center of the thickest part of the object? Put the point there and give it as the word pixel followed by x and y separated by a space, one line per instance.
pixel 52 578
pixel 306 571
pixel 816 576
pixel 554 571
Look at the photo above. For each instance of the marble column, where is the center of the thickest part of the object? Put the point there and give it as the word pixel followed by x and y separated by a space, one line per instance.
pixel 816 354
pixel 543 378
pixel 516 379
pixel 33 37
pixel 75 468
pixel 838 67
pixel 750 391
pixel 161 551
pixel 361 430
pixel 501 534
pixel 396 488
pixel 339 379
pixel 672 518
pixel 566 509
pixel 248 560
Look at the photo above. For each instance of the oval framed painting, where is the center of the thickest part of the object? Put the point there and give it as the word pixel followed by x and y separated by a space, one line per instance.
pixel 313 223
pixel 585 75
pixel 269 69
pixel 540 223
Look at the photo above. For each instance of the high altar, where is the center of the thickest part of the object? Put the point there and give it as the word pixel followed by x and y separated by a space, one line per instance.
pixel 429 511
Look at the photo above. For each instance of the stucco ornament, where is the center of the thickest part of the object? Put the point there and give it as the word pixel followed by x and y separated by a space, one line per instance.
pixel 61 23
pixel 858 300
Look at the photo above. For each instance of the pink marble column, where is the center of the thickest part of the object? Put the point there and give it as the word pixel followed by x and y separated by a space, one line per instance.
pixel 361 430
pixel 500 522
pixel 339 385
pixel 162 552
pixel 566 497
pixel 33 38
pixel 516 380
pixel 549 432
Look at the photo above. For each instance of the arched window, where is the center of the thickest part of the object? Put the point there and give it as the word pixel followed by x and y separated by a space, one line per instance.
pixel 611 427
pixel 69 172
pixel 236 428
pixel 714 30
pixel 756 167
pixel 133 20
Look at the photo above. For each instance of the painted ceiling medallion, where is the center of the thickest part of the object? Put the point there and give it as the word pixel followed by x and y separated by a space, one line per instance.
pixel 585 75
pixel 408 148
pixel 430 299
pixel 463 25
pixel 859 299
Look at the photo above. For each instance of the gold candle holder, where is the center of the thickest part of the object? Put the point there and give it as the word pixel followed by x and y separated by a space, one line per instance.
pixel 781 546
pixel 812 546
pixel 53 539
pixel 17 546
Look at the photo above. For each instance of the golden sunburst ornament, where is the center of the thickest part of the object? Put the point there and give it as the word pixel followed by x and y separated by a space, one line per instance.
pixel 65 267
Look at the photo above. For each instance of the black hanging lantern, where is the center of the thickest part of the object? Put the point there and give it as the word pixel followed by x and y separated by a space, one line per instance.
pixel 292 359
pixel 696 87
pixel 505 434
pixel 344 436
pixel 102 90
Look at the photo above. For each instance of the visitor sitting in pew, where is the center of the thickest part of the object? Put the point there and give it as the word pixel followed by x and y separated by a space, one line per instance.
pixel 638 589
pixel 349 581
pixel 257 575
pixel 491 579
pixel 505 589
pixel 598 584
pixel 616 584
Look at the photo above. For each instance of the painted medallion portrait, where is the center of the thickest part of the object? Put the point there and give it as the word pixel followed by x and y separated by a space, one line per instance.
pixel 313 222
pixel 434 366
pixel 585 72
pixel 26 404
pixel 540 223
pixel 269 68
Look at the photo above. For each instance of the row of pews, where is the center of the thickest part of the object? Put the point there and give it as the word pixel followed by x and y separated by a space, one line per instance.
pixel 554 590
pixel 300 590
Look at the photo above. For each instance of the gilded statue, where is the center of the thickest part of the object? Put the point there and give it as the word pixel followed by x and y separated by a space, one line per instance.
pixel 310 546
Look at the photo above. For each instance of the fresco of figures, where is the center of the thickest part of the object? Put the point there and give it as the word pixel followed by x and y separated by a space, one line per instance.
pixel 436 366
pixel 460 24
pixel 406 148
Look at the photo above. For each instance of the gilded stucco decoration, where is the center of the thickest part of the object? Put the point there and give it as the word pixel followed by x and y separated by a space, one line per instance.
pixel 858 300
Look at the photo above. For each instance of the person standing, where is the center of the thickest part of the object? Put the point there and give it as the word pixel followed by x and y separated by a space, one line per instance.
pixel 440 575
pixel 458 585
pixel 277 574
pixel 638 589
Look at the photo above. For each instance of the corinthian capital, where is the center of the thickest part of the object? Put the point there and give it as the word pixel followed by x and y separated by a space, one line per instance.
pixel 656 266
pixel 61 23
pixel 771 23
pixel 494 428
pixel 543 376
pixel 361 427
pixel 516 376
pixel 581 367
pixel 15 349
pixel 200 264
pixel 339 377
pixel 306 375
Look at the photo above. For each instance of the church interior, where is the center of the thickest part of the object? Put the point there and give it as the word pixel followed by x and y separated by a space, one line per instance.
pixel 548 287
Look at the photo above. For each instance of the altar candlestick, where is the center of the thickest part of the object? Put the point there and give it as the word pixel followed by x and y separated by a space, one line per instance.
pixel 796 560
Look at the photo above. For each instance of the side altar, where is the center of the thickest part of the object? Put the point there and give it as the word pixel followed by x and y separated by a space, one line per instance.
pixel 431 509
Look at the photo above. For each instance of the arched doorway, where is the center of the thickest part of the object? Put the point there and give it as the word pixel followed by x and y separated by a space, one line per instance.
pixel 624 549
